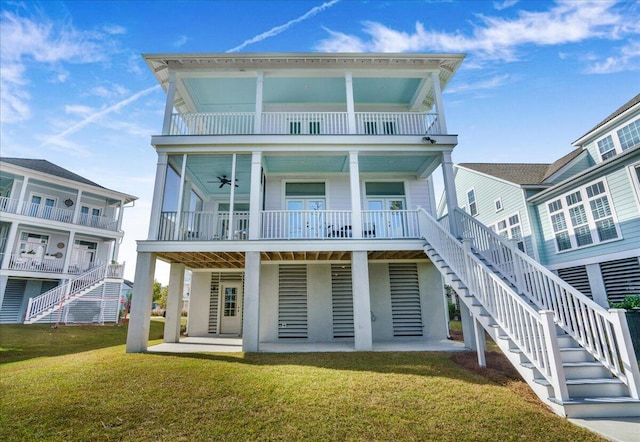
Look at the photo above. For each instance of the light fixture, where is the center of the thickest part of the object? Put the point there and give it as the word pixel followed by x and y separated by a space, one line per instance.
pixel 68 202
pixel 428 140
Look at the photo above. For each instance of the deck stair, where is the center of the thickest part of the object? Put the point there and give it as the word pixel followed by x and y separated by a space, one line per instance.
pixel 574 354
pixel 54 300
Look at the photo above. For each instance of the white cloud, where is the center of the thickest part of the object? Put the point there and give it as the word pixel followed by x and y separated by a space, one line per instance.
pixel 78 109
pixel 504 4
pixel 180 41
pixel 109 90
pixel 281 28
pixel 497 38
pixel 25 40
pixel 627 59
pixel 490 83
pixel 115 29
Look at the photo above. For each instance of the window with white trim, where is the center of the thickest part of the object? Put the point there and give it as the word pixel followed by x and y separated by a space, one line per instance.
pixel 498 204
pixel 617 141
pixel 583 217
pixel 471 200
pixel 510 228
pixel 629 135
pixel 606 147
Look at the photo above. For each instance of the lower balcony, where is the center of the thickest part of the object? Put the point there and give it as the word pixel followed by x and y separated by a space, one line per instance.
pixel 288 225
pixel 46 264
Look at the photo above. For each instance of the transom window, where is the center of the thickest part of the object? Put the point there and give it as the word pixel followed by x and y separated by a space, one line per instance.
pixel 471 200
pixel 583 217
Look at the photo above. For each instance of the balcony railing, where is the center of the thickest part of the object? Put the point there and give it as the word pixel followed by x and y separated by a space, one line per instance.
pixel 47 264
pixel 42 211
pixel 289 224
pixel 305 123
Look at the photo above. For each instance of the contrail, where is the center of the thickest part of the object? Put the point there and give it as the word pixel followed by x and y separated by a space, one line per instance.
pixel 278 29
pixel 95 116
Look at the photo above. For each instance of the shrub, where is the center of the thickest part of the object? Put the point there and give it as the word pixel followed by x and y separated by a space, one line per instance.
pixel 454 311
pixel 629 302
pixel 157 312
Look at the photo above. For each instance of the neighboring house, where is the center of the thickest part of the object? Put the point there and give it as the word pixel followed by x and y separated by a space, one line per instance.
pixel 59 240
pixel 297 189
pixel 579 216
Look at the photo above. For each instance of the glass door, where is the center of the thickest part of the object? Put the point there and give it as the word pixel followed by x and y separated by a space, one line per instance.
pixel 306 218
pixel 388 218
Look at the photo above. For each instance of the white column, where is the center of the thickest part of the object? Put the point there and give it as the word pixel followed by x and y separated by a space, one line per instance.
pixel 174 303
pixel 23 192
pixel 168 107
pixel 450 191
pixel 251 303
pixel 481 343
pixel 257 122
pixel 10 246
pixel 76 210
pixel 356 207
pixel 158 195
pixel 120 216
pixel 69 252
pixel 3 287
pixel 351 113
pixel 177 234
pixel 596 284
pixel 138 334
pixel 468 327
pixel 232 197
pixel 361 302
pixel 255 193
pixel 437 94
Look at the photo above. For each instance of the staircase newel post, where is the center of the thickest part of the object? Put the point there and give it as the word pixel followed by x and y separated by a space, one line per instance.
pixel 626 351
pixel 555 369
pixel 517 267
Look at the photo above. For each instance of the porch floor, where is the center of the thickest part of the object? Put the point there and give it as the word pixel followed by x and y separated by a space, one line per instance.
pixel 228 345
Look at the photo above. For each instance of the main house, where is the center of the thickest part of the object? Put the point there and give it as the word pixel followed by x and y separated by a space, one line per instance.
pixel 579 216
pixel 297 189
pixel 59 239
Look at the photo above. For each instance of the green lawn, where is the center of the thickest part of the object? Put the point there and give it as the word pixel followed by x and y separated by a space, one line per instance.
pixel 61 389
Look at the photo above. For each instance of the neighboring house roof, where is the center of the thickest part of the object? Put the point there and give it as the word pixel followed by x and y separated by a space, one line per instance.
pixel 560 163
pixel 517 173
pixel 45 166
pixel 622 109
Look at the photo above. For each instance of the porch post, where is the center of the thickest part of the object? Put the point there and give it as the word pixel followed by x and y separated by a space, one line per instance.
pixel 437 94
pixel 481 343
pixel 120 216
pixel 232 197
pixel 254 196
pixel 257 122
pixel 356 207
pixel 23 192
pixel 3 287
pixel 450 191
pixel 67 255
pixel 174 303
pixel 76 210
pixel 158 195
pixel 138 334
pixel 361 302
pixel 168 107
pixel 9 246
pixel 251 303
pixel 177 234
pixel 468 327
pixel 351 113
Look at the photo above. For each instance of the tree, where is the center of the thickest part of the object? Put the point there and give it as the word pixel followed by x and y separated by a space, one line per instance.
pixel 157 291
pixel 164 293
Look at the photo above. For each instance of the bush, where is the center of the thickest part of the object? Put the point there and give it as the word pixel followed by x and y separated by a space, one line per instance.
pixel 157 312
pixel 454 311
pixel 629 302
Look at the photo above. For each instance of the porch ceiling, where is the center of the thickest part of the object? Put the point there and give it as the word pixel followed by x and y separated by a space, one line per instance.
pixel 235 260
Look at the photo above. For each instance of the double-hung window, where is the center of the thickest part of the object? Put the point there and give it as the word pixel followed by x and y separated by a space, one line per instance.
pixel 629 135
pixel 510 228
pixel 583 217
pixel 617 141
pixel 471 200
pixel 606 147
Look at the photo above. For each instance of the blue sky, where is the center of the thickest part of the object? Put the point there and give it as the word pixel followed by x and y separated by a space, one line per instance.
pixel 75 91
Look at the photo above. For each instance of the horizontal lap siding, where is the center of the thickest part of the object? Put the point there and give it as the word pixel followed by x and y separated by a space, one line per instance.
pixel 419 195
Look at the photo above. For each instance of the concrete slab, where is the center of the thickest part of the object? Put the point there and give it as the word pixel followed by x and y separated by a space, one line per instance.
pixel 623 429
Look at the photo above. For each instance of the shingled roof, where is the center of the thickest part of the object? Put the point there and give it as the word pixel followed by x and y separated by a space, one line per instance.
pixel 622 109
pixel 45 166
pixel 523 173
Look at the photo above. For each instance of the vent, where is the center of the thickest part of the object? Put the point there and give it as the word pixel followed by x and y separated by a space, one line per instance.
pixel 621 278
pixel 12 301
pixel 292 301
pixel 405 300
pixel 342 300
pixel 218 278
pixel 577 278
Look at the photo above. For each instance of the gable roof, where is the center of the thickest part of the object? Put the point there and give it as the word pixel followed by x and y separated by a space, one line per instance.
pixel 561 162
pixel 45 166
pixel 517 173
pixel 622 109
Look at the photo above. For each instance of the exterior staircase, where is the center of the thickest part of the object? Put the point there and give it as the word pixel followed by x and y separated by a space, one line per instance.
pixel 53 301
pixel 574 354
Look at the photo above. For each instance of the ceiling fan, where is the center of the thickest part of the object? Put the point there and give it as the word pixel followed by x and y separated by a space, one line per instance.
pixel 223 180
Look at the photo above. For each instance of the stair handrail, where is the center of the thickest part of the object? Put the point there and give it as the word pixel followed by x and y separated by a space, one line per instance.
pixel 69 288
pixel 527 328
pixel 601 332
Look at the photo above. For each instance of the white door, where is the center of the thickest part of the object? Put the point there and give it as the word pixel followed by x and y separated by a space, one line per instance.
pixel 231 308
pixel 306 218
pixel 385 222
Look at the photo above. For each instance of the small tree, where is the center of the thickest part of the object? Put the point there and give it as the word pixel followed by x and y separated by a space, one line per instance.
pixel 157 291
pixel 164 293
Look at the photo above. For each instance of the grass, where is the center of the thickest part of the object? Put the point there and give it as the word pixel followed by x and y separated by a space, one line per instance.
pixel 76 393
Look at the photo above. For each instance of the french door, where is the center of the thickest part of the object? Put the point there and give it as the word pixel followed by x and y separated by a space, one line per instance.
pixel 231 308
pixel 383 220
pixel 306 218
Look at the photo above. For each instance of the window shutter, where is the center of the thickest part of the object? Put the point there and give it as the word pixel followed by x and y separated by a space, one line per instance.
pixel 405 300
pixel 342 300
pixel 292 301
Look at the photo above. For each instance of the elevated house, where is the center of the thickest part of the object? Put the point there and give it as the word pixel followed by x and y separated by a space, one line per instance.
pixel 579 216
pixel 59 240
pixel 297 189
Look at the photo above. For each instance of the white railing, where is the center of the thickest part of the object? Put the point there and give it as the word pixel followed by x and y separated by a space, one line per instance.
pixel 598 330
pixel 8 205
pixel 203 226
pixel 71 288
pixel 396 123
pixel 228 123
pixel 304 123
pixel 392 224
pixel 46 212
pixel 33 263
pixel 100 222
pixel 306 224
pixel 526 327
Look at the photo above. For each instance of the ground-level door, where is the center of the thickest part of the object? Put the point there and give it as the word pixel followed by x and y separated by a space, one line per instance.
pixel 231 308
